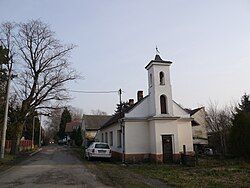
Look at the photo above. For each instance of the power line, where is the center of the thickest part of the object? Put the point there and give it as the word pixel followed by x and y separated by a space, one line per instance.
pixel 94 92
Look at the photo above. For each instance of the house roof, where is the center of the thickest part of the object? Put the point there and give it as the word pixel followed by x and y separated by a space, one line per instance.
pixel 94 122
pixel 120 115
pixel 70 125
pixel 192 112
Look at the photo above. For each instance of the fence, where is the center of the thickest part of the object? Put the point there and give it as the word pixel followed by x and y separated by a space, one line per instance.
pixel 24 145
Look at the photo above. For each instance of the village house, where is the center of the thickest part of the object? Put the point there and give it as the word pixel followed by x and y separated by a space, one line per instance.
pixel 90 125
pixel 199 127
pixel 155 128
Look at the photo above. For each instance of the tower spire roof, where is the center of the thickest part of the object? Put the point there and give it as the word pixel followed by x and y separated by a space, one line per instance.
pixel 158 60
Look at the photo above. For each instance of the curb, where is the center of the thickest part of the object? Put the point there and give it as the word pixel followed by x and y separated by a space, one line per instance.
pixel 35 152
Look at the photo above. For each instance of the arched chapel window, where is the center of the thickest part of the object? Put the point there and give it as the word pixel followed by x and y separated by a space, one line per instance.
pixel 162 79
pixel 150 80
pixel 163 101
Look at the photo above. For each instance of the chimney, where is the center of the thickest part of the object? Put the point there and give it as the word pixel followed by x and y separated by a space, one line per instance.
pixel 131 101
pixel 139 95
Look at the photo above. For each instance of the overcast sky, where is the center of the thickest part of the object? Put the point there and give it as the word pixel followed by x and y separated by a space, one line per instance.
pixel 207 41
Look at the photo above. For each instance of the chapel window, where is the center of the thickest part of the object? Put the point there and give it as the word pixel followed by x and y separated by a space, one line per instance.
pixel 163 101
pixel 150 80
pixel 162 79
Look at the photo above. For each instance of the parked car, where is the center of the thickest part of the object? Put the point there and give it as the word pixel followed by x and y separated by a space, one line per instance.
pixel 98 150
pixel 62 142
pixel 209 151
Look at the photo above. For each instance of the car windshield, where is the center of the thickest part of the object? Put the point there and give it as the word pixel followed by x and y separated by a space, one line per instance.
pixel 103 146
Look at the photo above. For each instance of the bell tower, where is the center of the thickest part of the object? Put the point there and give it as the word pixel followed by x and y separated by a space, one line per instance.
pixel 159 87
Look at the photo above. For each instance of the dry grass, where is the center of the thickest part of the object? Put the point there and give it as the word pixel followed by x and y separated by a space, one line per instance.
pixel 208 173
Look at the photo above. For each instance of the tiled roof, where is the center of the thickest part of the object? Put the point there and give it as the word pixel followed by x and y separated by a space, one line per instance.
pixel 70 126
pixel 192 112
pixel 94 122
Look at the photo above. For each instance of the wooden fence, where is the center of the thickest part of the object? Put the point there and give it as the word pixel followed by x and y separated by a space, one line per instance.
pixel 24 145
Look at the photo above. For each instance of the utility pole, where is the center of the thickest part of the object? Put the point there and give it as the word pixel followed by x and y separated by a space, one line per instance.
pixel 5 116
pixel 33 131
pixel 4 58
pixel 40 131
pixel 122 128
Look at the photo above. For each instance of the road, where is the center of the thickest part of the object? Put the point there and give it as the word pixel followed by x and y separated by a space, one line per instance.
pixel 54 166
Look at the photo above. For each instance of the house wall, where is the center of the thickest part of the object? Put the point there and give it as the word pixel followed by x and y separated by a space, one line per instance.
pixel 200 131
pixel 181 132
pixel 90 135
pixel 137 137
pixel 165 127
pixel 114 128
pixel 185 135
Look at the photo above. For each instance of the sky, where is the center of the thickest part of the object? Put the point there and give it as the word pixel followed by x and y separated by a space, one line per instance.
pixel 207 41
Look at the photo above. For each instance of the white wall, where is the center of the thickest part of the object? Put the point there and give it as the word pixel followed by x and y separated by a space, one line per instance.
pixel 180 130
pixel 200 130
pixel 166 127
pixel 185 135
pixel 137 137
pixel 114 128
pixel 157 90
pixel 178 111
pixel 141 110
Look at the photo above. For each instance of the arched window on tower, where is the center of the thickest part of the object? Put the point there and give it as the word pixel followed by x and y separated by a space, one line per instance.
pixel 162 78
pixel 150 80
pixel 163 101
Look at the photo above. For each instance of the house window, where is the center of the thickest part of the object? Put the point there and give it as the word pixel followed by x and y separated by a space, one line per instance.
pixel 162 79
pixel 163 101
pixel 102 137
pixel 119 138
pixel 111 138
pixel 150 80
pixel 106 137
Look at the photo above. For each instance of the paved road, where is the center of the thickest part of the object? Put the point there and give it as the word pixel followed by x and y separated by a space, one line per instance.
pixel 54 166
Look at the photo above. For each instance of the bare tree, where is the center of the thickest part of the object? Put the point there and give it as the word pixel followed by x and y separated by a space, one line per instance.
pixel 219 122
pixel 52 123
pixel 76 113
pixel 98 112
pixel 42 64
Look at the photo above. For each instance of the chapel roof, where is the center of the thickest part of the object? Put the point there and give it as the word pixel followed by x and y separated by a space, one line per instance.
pixel 158 59
pixel 120 115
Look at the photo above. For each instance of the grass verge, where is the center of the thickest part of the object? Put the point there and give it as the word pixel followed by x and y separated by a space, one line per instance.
pixel 208 173
pixel 115 174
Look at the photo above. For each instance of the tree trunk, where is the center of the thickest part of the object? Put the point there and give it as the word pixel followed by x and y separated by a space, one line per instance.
pixel 222 144
pixel 16 139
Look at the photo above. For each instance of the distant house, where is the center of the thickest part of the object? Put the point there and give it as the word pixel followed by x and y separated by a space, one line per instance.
pixel 71 127
pixel 154 128
pixel 90 125
pixel 199 128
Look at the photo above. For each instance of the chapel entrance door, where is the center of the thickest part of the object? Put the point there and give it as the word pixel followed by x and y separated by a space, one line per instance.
pixel 167 148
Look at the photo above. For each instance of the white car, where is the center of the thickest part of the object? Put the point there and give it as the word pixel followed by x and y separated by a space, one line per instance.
pixel 98 150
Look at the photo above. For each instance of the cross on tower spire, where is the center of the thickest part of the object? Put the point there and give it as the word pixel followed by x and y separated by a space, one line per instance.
pixel 157 50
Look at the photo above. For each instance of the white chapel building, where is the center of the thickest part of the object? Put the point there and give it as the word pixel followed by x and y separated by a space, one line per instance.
pixel 154 128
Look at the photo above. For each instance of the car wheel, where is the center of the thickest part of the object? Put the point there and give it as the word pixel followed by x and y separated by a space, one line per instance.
pixel 88 157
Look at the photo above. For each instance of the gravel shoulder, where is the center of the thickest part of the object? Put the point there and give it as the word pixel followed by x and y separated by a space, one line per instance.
pixel 54 166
